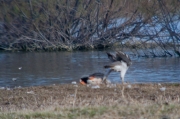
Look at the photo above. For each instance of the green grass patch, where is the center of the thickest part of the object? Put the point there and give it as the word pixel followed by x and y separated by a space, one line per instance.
pixel 89 112
pixel 135 110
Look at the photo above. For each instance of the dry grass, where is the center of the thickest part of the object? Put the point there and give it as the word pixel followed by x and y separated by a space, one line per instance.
pixel 70 102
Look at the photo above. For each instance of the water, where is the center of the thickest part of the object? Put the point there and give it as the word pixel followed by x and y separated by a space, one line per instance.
pixel 46 68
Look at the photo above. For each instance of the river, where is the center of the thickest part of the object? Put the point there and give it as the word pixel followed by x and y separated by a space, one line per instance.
pixel 46 68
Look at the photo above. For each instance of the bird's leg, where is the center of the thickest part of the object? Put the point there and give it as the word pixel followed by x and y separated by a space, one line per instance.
pixel 122 73
pixel 122 78
pixel 105 77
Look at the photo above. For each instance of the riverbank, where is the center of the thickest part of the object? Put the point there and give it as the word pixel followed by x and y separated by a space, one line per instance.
pixel 77 101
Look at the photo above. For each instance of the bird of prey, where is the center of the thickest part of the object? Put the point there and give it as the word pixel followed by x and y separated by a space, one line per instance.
pixel 120 63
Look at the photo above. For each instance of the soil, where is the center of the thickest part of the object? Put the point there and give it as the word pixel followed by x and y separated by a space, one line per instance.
pixel 39 97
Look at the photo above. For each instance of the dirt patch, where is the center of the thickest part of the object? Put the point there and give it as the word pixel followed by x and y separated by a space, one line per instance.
pixel 68 95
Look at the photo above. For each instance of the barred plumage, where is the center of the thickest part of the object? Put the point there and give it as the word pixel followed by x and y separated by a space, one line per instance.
pixel 120 63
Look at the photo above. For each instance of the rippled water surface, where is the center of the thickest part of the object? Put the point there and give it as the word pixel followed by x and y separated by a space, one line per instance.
pixel 45 68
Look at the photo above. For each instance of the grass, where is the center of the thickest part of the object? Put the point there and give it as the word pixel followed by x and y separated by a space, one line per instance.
pixel 136 110
pixel 69 102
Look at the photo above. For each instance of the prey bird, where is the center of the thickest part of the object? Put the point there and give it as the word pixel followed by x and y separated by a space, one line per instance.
pixel 120 63
pixel 93 79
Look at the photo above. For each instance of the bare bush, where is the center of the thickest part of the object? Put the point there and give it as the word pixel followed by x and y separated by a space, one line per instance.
pixel 88 24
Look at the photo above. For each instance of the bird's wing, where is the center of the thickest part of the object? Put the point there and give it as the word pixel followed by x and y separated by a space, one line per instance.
pixel 100 75
pixel 120 56
pixel 111 65
pixel 111 57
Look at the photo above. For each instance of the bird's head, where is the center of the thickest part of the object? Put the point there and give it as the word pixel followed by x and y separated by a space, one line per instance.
pixel 83 80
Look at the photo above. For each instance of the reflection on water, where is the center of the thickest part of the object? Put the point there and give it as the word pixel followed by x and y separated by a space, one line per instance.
pixel 44 68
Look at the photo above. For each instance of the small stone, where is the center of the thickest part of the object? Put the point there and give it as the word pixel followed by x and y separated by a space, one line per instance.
pixel 159 84
pixel 30 92
pixel 163 88
pixel 74 83
pixel 129 86
pixel 94 87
